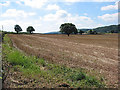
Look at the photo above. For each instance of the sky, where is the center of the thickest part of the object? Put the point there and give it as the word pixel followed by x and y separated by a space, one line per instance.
pixel 47 15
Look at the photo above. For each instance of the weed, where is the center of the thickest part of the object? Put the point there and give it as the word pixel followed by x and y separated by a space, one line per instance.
pixel 30 67
pixel 42 62
pixel 78 76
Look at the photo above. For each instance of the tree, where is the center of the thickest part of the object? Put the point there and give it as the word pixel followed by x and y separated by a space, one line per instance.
pixel 68 28
pixel 81 32
pixel 30 29
pixel 75 31
pixel 17 28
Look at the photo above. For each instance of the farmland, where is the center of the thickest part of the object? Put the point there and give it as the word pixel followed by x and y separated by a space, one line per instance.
pixel 94 53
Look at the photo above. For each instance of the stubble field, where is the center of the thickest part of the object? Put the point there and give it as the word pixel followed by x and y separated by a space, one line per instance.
pixel 98 53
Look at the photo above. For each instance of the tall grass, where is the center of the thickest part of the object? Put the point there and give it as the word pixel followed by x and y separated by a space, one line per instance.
pixel 37 68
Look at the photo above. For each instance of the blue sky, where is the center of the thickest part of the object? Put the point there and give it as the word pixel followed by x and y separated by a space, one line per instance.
pixel 48 15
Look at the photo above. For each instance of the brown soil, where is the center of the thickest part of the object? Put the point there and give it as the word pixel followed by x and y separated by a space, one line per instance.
pixel 92 52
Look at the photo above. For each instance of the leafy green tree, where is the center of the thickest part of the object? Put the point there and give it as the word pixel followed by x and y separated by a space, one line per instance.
pixel 75 31
pixel 30 29
pixel 17 28
pixel 81 32
pixel 68 28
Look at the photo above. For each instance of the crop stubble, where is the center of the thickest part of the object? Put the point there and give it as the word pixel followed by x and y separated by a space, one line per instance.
pixel 93 52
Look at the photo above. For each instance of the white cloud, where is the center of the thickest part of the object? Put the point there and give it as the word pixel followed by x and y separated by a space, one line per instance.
pixel 109 17
pixel 16 13
pixel 9 24
pixel 34 3
pixel 110 7
pixel 91 0
pixel 18 2
pixel 85 14
pixel 104 0
pixel 73 0
pixel 82 21
pixel 62 16
pixel 53 7
pixel 57 16
pixel 31 14
pixel 51 22
pixel 6 3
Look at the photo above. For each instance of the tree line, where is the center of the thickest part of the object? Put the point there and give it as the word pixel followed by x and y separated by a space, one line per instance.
pixel 69 28
pixel 66 28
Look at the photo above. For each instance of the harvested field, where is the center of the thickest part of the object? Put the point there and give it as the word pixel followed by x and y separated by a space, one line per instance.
pixel 92 52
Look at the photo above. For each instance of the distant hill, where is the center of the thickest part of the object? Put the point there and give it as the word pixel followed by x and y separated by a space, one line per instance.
pixel 83 30
pixel 53 33
pixel 107 29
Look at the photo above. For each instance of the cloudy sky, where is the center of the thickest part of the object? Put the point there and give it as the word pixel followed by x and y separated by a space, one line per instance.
pixel 48 15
